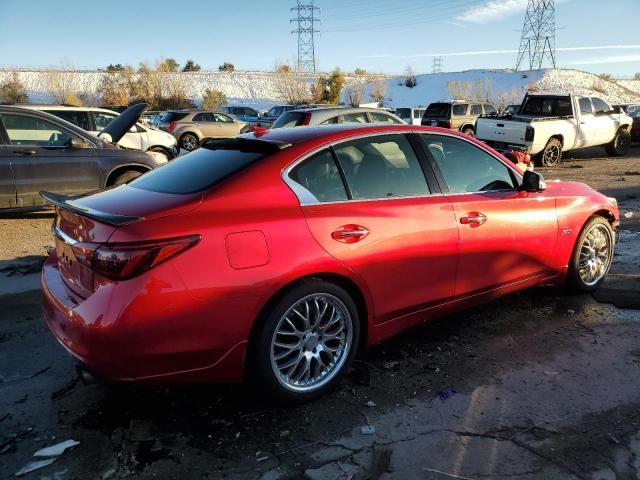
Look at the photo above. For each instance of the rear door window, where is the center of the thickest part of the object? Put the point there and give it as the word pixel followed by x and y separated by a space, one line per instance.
pixel 78 118
pixel 320 176
pixel 476 110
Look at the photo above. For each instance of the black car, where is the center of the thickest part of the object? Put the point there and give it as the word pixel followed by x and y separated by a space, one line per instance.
pixel 39 151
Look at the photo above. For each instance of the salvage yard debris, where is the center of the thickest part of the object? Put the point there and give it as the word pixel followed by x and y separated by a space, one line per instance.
pixel 50 453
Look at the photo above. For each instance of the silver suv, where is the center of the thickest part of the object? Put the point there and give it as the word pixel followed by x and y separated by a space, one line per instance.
pixel 191 126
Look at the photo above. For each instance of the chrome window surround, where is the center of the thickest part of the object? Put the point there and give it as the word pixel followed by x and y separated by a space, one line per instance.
pixel 307 198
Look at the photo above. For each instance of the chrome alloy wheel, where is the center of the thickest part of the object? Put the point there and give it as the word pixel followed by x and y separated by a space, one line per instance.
pixel 189 142
pixel 311 342
pixel 596 253
pixel 551 156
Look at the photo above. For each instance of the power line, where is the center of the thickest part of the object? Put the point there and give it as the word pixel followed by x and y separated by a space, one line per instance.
pixel 305 16
pixel 538 39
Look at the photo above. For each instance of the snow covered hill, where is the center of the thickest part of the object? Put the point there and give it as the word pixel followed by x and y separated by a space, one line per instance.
pixel 500 87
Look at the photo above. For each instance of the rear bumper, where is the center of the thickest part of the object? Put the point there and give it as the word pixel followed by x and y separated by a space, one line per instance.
pixel 120 336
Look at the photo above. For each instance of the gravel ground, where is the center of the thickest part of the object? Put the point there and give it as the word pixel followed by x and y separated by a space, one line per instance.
pixel 537 385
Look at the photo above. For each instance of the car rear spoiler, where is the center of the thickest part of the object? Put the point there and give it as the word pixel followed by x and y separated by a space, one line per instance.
pixel 69 202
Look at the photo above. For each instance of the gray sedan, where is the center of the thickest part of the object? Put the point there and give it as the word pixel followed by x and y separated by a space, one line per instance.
pixel 333 115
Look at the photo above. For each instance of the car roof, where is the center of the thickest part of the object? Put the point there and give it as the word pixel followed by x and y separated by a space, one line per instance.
pixel 44 106
pixel 299 135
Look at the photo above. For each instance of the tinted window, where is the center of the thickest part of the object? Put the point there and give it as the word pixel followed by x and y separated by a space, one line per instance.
pixel 319 174
pixel 101 119
pixel 289 119
pixel 379 117
pixel 196 171
pixel 31 130
pixel 381 167
pixel 79 119
pixel 404 113
pixel 173 116
pixel 585 106
pixel 600 105
pixel 357 117
pixel 435 110
pixel 330 121
pixel 547 106
pixel 418 113
pixel 467 168
pixel 476 110
pixel 221 117
pixel 460 109
pixel 489 109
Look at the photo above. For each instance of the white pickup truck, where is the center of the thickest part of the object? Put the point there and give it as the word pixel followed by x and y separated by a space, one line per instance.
pixel 547 125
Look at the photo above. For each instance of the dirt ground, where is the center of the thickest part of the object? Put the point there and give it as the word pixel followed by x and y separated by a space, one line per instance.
pixel 537 385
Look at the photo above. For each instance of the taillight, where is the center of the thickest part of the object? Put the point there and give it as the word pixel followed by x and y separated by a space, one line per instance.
pixel 448 123
pixel 121 261
pixel 528 134
pixel 307 119
pixel 172 126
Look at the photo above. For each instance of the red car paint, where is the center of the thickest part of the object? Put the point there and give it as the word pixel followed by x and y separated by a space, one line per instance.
pixel 190 317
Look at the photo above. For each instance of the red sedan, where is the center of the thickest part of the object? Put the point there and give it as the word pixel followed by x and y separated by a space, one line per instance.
pixel 275 256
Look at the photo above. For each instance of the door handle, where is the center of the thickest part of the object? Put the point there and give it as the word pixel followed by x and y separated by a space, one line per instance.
pixel 25 152
pixel 473 219
pixel 349 233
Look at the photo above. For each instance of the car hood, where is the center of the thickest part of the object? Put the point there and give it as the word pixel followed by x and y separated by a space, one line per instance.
pixel 120 125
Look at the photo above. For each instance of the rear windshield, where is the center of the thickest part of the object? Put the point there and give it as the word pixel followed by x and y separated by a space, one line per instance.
pixel 173 116
pixel 289 119
pixel 440 110
pixel 541 106
pixel 197 170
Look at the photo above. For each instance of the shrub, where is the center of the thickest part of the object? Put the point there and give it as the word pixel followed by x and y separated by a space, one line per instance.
pixel 213 100
pixel 227 67
pixel 13 91
pixel 190 66
pixel 410 80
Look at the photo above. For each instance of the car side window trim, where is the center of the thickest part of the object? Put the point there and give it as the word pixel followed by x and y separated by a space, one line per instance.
pixel 306 198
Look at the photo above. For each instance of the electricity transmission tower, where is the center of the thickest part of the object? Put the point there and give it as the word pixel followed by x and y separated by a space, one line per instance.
pixel 538 40
pixel 437 65
pixel 304 14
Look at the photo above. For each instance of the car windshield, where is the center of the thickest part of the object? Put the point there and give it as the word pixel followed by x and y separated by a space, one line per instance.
pixel 198 170
pixel 290 119
pixel 437 110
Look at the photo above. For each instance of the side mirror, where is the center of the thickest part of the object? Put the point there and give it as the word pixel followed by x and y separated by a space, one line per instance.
pixel 77 143
pixel 532 182
pixel 105 137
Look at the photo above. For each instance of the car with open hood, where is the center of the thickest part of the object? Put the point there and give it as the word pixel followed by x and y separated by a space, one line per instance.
pixel 39 151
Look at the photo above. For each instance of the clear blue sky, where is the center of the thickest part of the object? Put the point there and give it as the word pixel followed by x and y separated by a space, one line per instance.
pixel 377 35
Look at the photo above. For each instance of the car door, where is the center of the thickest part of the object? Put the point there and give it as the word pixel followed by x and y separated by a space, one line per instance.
pixel 587 126
pixel 42 159
pixel 7 182
pixel 226 125
pixel 605 126
pixel 506 236
pixel 368 204
pixel 206 123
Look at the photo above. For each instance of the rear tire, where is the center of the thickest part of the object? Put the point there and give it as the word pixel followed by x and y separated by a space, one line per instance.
pixel 551 155
pixel 469 131
pixel 125 177
pixel 189 142
pixel 592 256
pixel 619 146
pixel 305 342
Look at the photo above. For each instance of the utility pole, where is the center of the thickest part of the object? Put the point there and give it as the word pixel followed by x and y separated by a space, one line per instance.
pixel 436 67
pixel 304 14
pixel 538 39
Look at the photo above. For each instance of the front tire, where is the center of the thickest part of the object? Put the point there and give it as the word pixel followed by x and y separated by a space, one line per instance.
pixel 592 256
pixel 125 177
pixel 162 152
pixel 619 146
pixel 469 131
pixel 305 342
pixel 551 156
pixel 189 142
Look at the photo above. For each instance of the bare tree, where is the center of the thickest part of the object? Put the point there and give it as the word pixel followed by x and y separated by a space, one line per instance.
pixel 378 90
pixel 292 85
pixel 62 84
pixel 354 91
pixel 459 90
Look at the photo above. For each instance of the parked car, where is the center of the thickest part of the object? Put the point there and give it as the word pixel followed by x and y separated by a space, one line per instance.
pixel 634 112
pixel 332 115
pixel 39 151
pixel 93 120
pixel 267 119
pixel 246 114
pixel 412 115
pixel 191 126
pixel 456 115
pixel 548 125
pixel 275 256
